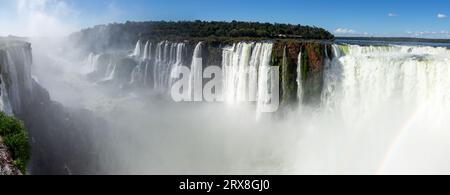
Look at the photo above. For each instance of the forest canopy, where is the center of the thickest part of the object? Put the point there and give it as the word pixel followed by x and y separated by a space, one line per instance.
pixel 125 33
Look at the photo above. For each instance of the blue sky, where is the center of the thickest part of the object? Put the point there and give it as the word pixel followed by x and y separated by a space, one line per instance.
pixel 419 18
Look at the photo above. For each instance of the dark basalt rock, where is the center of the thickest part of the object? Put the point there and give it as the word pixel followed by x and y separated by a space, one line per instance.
pixel 61 137
pixel 312 72
pixel 124 69
pixel 285 55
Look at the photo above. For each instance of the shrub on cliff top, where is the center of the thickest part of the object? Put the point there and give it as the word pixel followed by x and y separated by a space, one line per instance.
pixel 15 137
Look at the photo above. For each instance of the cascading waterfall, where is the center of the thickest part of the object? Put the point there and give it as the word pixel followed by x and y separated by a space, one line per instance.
pixel 168 56
pixel 368 76
pixel 102 66
pixel 196 77
pixel 180 61
pixel 253 71
pixel 138 50
pixel 154 64
pixel 16 80
pixel 246 71
pixel 332 77
pixel 235 65
pixel 299 79
pixel 19 59
pixel 14 89
pixel 138 76
pixel 5 105
pixel 392 103
pixel 147 51
pixel 91 64
pixel 356 126
pixel 110 72
pixel 159 66
pixel 267 79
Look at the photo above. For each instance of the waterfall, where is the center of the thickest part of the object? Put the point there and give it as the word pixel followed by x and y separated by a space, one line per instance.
pixel 253 71
pixel 360 79
pixel 236 62
pixel 110 72
pixel 246 70
pixel 267 81
pixel 196 77
pixel 138 49
pixel 138 74
pixel 179 56
pixel 168 56
pixel 147 51
pixel 158 66
pixel 390 105
pixel 16 80
pixel 19 60
pixel 5 105
pixel 14 88
pixel 332 77
pixel 91 64
pixel 299 79
pixel 242 69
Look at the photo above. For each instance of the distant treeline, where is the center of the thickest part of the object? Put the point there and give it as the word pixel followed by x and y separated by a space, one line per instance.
pixel 395 39
pixel 196 30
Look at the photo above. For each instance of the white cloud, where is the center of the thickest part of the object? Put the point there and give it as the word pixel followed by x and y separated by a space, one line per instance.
pixel 344 31
pixel 442 16
pixel 44 18
pixel 392 14
pixel 50 18
pixel 350 32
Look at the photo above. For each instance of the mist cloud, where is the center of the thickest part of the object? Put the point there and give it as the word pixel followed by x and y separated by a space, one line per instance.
pixel 51 18
pixel 43 18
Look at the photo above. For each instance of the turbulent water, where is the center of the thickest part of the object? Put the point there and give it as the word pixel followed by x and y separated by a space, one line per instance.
pixel 394 91
pixel 383 109
pixel 246 72
pixel 371 76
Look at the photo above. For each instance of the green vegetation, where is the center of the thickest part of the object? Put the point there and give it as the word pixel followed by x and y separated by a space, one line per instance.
pixel 116 36
pixel 191 29
pixel 304 66
pixel 285 55
pixel 15 137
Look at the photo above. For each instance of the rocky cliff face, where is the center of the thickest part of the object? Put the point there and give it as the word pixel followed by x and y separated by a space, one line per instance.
pixel 302 67
pixel 60 137
pixel 6 161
